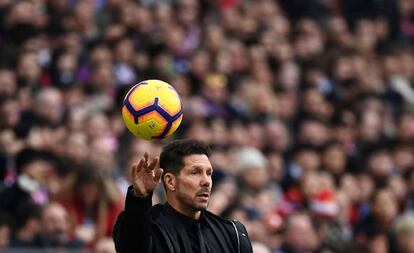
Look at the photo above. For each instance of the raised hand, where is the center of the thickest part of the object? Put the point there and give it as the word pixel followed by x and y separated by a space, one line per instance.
pixel 146 176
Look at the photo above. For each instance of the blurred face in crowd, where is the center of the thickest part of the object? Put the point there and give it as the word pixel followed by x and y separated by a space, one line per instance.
pixel 105 245
pixel 275 166
pixel 339 33
pixel 102 153
pixel 28 68
pixel 342 69
pixel 55 224
pixel 200 64
pixel 224 194
pixel 310 184
pixel 286 105
pixel 163 15
pixel 380 163
pixel 9 113
pixel 309 40
pixel 102 77
pixel 77 147
pixel 313 132
pixel 97 125
pixel 384 206
pixel 49 105
pixel 188 11
pixel 278 137
pixel 89 192
pixel 315 104
pixel 255 177
pixel 100 55
pixel 38 170
pixel 350 187
pixel 215 38
pixel 334 159
pixel 174 35
pixel 406 127
pixel 7 82
pixel 366 186
pixel 371 126
pixel 22 13
pixel 403 157
pixel 144 20
pixel 307 159
pixel 379 243
pixel 124 51
pixel 405 241
pixel 288 76
pixel 214 89
pixel 398 187
pixel 300 233
pixel 261 100
pixel 67 63
pixel 4 236
pixel 365 35
pixel 239 56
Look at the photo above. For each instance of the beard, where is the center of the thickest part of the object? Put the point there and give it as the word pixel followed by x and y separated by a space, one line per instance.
pixel 191 201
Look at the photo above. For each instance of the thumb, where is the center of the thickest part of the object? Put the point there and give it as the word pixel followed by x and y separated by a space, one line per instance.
pixel 158 174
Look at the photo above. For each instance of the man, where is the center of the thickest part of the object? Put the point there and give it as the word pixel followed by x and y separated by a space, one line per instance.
pixel 56 228
pixel 300 235
pixel 32 167
pixel 182 224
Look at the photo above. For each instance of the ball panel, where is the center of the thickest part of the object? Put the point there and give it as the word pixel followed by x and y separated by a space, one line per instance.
pixel 151 125
pixel 153 115
pixel 170 102
pixel 141 97
pixel 175 125
pixel 127 114
pixel 129 122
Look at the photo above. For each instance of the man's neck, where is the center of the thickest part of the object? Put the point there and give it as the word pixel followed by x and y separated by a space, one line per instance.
pixel 195 215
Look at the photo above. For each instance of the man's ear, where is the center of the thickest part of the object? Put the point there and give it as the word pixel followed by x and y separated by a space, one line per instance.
pixel 170 181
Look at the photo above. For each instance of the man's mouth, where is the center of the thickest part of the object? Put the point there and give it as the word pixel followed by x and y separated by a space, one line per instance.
pixel 206 194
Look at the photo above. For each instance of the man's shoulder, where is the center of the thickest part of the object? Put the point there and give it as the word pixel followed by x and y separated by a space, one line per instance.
pixel 237 228
pixel 210 215
pixel 156 210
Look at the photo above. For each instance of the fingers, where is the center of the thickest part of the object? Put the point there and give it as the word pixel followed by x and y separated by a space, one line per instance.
pixel 153 164
pixel 158 174
pixel 136 168
pixel 146 157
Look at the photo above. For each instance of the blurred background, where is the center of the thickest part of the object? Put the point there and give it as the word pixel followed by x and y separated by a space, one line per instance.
pixel 307 104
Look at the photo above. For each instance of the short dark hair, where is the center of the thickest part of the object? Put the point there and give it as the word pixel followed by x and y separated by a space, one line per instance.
pixel 171 158
pixel 25 157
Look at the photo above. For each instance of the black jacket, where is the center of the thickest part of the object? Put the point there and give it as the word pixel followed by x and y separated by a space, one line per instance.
pixel 143 228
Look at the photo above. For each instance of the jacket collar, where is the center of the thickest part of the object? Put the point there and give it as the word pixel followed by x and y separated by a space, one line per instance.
pixel 187 221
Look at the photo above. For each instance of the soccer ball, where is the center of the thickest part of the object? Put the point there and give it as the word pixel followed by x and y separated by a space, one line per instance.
pixel 152 110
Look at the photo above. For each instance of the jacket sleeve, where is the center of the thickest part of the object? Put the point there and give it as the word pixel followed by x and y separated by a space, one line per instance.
pixel 132 230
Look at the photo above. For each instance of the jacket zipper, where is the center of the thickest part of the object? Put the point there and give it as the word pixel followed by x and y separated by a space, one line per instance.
pixel 237 234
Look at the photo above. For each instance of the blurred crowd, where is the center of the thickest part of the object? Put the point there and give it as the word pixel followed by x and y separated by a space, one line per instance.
pixel 308 106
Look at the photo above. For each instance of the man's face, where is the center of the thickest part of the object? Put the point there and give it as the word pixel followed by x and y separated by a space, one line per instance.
pixel 194 182
pixel 55 223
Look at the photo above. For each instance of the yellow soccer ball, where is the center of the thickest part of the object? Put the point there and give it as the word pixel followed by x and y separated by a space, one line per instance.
pixel 152 109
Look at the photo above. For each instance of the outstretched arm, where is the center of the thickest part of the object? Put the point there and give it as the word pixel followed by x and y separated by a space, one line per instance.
pixel 132 231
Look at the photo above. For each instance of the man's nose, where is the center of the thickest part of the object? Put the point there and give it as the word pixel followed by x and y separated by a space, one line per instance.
pixel 206 180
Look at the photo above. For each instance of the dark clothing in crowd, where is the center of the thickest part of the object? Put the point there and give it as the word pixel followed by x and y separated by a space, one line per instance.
pixel 142 228
pixel 12 198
